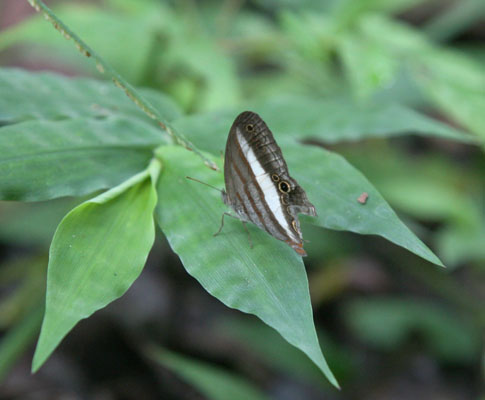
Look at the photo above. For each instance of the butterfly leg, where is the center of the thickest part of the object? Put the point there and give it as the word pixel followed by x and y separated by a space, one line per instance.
pixel 222 222
pixel 243 222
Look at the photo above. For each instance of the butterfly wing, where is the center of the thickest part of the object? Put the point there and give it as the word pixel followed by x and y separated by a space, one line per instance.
pixel 258 184
pixel 238 180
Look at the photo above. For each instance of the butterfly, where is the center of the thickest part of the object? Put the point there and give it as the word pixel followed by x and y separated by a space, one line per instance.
pixel 259 187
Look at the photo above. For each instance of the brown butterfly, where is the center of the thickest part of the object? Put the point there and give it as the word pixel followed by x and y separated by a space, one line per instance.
pixel 258 186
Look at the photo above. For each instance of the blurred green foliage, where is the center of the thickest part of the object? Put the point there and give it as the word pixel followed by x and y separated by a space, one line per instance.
pixel 403 104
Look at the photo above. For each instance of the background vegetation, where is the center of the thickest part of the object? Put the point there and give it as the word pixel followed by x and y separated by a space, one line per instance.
pixel 395 87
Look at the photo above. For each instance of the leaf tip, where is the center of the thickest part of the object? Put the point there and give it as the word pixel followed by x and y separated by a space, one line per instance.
pixel 436 261
pixel 43 349
pixel 37 362
pixel 334 382
pixel 331 378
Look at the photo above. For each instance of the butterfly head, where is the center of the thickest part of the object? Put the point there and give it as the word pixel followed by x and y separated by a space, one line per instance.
pixel 300 203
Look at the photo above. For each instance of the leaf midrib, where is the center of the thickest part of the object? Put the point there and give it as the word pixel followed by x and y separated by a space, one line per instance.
pixel 250 266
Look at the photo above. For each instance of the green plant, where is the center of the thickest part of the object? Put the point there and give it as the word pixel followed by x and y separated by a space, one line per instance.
pixel 75 137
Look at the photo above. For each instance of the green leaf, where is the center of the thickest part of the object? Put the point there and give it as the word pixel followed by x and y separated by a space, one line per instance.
pixel 213 382
pixel 27 95
pixel 268 280
pixel 333 185
pixel 49 159
pixel 331 121
pixel 436 188
pixel 336 120
pixel 72 136
pixel 98 250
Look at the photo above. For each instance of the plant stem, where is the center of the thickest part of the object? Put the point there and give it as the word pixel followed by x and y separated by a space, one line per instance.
pixel 104 68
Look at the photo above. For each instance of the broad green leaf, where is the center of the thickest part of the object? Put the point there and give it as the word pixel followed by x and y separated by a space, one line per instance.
pixel 387 322
pixel 72 157
pixel 18 339
pixel 26 95
pixel 333 186
pixel 98 250
pixel 268 280
pixel 436 188
pixel 331 121
pixel 339 185
pixel 335 120
pixel 212 381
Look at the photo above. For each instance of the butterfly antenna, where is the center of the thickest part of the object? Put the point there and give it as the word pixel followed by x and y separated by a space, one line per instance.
pixel 196 180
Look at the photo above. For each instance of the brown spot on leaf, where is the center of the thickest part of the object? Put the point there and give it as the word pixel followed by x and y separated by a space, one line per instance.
pixel 362 199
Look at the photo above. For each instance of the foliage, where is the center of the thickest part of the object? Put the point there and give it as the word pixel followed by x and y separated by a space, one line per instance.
pixel 329 77
pixel 215 383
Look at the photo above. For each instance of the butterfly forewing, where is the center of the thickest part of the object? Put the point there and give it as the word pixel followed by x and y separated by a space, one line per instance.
pixel 258 185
